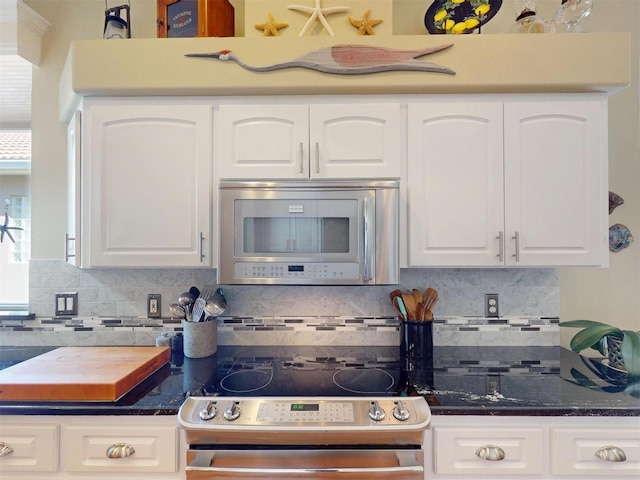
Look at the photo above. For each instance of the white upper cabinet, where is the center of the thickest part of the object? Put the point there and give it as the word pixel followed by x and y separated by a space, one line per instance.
pixel 146 177
pixel 556 183
pixel 515 184
pixel 310 141
pixel 73 243
pixel 455 180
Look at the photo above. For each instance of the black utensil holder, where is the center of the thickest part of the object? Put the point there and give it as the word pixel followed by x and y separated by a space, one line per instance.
pixel 416 344
pixel 416 348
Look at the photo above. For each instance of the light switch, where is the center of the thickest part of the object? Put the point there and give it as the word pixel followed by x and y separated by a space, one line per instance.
pixel 66 304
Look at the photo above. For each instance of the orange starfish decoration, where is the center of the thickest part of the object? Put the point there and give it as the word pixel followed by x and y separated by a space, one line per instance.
pixel 271 27
pixel 365 26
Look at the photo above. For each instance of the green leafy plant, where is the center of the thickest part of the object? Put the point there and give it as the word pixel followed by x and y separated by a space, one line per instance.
pixel 598 335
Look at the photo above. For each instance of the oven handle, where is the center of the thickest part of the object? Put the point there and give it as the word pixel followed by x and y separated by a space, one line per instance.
pixel 407 463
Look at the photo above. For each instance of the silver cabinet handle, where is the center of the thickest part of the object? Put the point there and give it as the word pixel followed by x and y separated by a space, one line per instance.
pixel 516 237
pixel 301 158
pixel 491 453
pixel 5 449
pixel 500 238
pixel 317 157
pixel 68 239
pixel 201 247
pixel 611 453
pixel 120 450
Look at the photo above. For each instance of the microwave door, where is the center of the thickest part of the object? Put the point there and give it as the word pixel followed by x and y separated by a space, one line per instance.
pixel 302 237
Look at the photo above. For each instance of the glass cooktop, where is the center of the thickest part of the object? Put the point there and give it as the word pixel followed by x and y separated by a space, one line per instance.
pixel 296 371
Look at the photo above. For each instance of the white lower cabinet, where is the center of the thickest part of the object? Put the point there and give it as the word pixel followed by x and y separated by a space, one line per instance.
pixel 610 452
pixel 488 451
pixel 26 447
pixel 544 448
pixel 91 447
pixel 141 449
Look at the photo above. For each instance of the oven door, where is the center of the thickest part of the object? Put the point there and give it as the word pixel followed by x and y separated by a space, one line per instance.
pixel 306 463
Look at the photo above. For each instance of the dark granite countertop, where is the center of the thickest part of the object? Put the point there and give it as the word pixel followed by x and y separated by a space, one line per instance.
pixel 544 381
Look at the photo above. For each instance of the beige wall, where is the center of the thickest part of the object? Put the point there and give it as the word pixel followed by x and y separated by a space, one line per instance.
pixel 611 294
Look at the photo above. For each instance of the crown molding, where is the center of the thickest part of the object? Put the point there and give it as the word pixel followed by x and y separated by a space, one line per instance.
pixel 22 29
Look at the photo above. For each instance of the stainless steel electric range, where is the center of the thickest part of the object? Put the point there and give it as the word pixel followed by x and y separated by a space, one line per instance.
pixel 304 412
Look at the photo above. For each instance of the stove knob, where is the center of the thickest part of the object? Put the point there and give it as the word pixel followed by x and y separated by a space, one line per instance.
pixel 231 413
pixel 208 412
pixel 400 412
pixel 376 413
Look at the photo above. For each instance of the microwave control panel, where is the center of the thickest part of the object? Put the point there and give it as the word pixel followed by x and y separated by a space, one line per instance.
pixel 297 271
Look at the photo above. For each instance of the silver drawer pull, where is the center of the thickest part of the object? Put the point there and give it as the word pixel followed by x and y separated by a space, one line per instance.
pixel 610 453
pixel 5 449
pixel 120 450
pixel 491 453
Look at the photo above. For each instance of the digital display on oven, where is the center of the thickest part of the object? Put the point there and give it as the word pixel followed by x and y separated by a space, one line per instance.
pixel 296 268
pixel 305 407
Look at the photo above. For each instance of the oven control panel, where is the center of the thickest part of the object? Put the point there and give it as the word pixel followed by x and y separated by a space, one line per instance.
pixel 285 412
pixel 307 412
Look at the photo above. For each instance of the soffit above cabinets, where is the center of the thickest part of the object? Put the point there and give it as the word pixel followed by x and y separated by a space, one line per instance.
pixel 488 63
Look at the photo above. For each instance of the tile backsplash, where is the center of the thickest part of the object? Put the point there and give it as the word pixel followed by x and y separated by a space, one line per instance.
pixel 122 292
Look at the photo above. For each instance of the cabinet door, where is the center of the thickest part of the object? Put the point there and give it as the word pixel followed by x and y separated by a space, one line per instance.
pixel 120 448
pixel 489 452
pixel 28 448
pixel 147 169
pixel 73 243
pixel 263 142
pixel 356 141
pixel 455 181
pixel 575 451
pixel 556 183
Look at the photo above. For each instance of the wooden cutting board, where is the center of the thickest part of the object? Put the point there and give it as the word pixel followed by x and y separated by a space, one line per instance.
pixel 91 374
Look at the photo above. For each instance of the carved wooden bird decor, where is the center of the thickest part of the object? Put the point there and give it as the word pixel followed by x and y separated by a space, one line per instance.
pixel 348 60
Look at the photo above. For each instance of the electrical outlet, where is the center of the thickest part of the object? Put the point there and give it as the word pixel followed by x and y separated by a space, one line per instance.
pixel 66 304
pixel 491 305
pixel 493 384
pixel 153 305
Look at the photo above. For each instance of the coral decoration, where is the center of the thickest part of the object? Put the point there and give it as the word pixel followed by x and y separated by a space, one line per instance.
pixel 270 27
pixel 365 26
pixel 317 13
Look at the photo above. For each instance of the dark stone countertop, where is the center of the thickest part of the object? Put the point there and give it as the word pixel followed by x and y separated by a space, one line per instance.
pixel 544 381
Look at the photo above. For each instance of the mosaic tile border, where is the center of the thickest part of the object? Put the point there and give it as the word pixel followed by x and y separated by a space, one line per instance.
pixel 282 323
pixel 448 331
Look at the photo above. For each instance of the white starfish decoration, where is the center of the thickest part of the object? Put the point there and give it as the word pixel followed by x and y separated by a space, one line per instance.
pixel 317 13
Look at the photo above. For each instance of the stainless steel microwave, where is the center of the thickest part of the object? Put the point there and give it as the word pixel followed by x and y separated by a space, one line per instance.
pixel 317 232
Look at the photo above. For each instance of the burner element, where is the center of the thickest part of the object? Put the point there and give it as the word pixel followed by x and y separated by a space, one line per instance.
pixel 246 381
pixel 364 380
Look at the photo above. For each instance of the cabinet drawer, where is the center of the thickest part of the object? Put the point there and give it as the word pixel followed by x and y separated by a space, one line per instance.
pixel 34 448
pixel 573 451
pixel 155 449
pixel 458 450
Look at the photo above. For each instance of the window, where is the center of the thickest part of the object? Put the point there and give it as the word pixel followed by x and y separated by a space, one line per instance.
pixel 19 210
pixel 15 213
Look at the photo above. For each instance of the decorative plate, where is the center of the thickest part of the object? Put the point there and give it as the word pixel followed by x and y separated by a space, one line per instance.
pixel 459 16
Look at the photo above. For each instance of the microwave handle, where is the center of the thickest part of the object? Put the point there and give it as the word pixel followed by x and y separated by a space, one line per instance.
pixel 367 275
